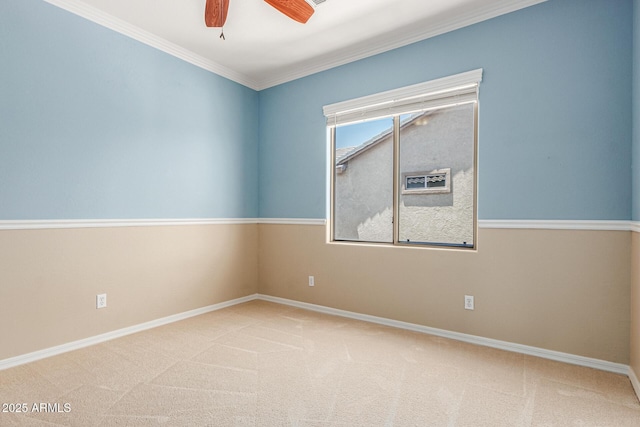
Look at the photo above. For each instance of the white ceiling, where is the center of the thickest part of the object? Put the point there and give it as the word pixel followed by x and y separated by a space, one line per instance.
pixel 264 48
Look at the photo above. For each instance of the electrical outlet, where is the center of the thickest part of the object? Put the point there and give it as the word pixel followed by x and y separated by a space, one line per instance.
pixel 468 302
pixel 101 300
pixel 312 281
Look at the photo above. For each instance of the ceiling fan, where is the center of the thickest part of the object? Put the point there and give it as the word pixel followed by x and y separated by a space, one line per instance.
pixel 215 12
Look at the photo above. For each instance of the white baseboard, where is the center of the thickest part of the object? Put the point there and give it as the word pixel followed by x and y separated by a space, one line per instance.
pixel 472 339
pixel 487 342
pixel 75 345
pixel 634 382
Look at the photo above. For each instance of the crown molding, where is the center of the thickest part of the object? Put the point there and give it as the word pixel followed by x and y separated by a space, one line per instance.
pixel 359 51
pixel 90 13
pixel 388 42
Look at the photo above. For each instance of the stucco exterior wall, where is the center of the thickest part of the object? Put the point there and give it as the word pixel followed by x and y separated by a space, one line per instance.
pixel 445 141
pixel 363 191
pixel 364 196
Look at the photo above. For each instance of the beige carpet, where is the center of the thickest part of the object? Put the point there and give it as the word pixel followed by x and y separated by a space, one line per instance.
pixel 264 364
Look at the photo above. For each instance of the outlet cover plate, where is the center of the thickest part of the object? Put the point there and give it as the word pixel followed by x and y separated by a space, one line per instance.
pixel 101 300
pixel 468 302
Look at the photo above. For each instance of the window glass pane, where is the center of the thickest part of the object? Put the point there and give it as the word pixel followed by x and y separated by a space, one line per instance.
pixel 363 182
pixel 438 146
pixel 432 184
pixel 416 182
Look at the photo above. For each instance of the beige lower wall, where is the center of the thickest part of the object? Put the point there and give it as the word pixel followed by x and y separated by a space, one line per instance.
pixel 49 278
pixel 555 289
pixel 561 290
pixel 635 306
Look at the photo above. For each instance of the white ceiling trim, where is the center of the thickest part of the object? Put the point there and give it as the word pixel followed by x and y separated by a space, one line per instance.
pixel 366 50
pixel 111 22
pixel 322 63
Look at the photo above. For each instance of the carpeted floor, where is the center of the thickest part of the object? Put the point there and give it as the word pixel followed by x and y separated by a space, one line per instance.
pixel 264 364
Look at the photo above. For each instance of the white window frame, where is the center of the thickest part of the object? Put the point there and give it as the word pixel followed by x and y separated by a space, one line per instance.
pixel 445 92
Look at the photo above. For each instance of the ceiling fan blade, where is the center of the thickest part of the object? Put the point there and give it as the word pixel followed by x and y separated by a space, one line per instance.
pixel 215 12
pixel 298 10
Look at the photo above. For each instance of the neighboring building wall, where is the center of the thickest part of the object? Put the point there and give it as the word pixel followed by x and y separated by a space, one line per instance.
pixel 364 198
pixel 364 191
pixel 446 141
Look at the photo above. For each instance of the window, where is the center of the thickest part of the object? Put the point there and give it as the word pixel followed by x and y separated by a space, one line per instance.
pixel 436 181
pixel 403 165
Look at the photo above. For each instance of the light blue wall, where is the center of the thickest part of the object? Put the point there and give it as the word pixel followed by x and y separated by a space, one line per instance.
pixel 555 113
pixel 636 110
pixel 96 125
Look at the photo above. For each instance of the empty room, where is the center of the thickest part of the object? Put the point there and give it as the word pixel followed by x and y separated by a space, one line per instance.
pixel 320 212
